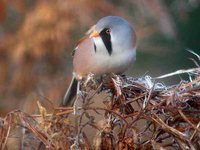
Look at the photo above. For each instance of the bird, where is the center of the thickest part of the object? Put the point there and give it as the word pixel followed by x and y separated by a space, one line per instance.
pixel 108 47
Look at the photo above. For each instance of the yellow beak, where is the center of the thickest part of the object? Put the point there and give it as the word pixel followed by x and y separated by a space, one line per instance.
pixel 94 34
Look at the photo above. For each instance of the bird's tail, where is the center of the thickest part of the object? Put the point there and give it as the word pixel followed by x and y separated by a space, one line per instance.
pixel 70 95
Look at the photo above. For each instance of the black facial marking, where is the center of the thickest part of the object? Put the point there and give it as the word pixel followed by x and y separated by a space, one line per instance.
pixel 95 48
pixel 105 36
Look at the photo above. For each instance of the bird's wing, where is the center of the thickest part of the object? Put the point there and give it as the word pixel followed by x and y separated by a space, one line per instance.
pixel 78 43
pixel 83 38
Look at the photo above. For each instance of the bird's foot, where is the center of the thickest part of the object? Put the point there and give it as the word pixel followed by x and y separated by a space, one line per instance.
pixel 75 108
pixel 79 95
pixel 90 77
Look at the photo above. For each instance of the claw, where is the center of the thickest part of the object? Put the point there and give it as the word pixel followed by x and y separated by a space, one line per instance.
pixel 90 77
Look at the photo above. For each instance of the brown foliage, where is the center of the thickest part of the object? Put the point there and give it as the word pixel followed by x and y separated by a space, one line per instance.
pixel 140 114
pixel 33 59
pixel 35 53
pixel 38 36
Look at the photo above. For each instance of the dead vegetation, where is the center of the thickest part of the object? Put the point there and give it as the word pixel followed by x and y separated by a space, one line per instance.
pixel 139 114
pixel 37 37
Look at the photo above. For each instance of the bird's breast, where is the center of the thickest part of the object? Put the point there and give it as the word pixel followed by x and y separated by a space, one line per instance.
pixel 96 60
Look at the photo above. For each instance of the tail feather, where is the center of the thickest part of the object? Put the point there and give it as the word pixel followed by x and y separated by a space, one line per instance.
pixel 71 93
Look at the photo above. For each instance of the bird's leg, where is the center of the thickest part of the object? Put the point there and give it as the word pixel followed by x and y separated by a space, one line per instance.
pixel 78 95
pixel 90 77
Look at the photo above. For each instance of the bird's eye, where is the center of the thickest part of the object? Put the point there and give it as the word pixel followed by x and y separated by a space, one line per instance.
pixel 108 31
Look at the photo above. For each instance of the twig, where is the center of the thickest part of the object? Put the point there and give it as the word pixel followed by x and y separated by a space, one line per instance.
pixel 178 72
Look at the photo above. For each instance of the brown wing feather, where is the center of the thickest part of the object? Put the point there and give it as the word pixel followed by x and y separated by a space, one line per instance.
pixel 83 38
pixel 79 41
pixel 83 58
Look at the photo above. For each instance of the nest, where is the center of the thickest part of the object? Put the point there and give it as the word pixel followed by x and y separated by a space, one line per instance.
pixel 138 113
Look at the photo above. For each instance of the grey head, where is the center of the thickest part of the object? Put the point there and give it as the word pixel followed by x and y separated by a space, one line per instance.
pixel 116 33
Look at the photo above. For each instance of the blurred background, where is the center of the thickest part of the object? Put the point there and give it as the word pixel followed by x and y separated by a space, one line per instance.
pixel 37 37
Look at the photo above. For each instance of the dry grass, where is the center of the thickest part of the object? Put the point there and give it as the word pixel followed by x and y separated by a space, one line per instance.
pixel 139 114
pixel 37 37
